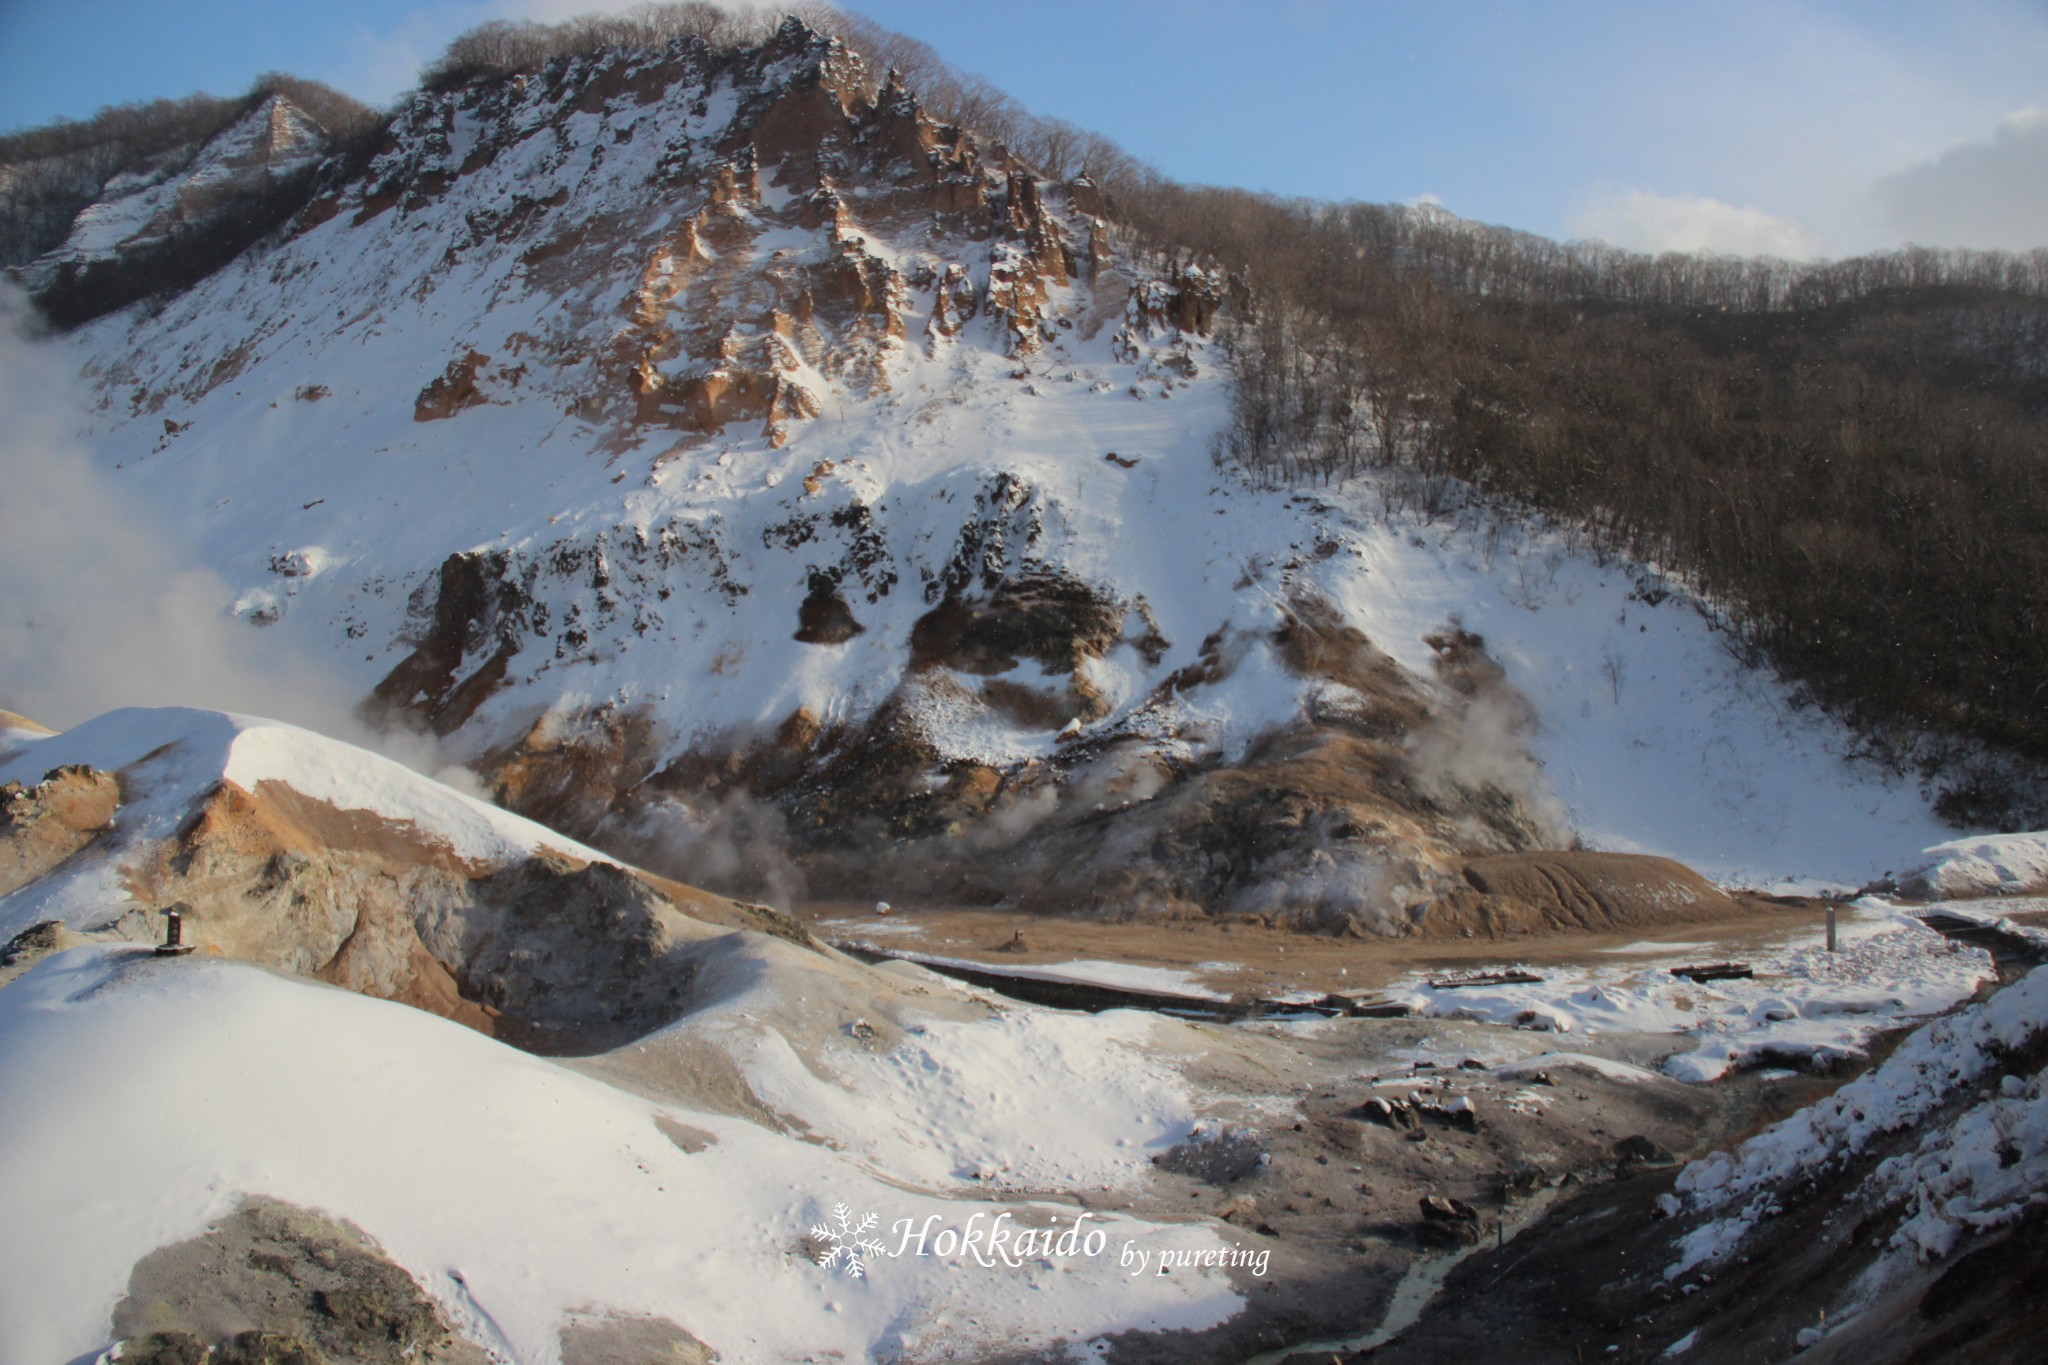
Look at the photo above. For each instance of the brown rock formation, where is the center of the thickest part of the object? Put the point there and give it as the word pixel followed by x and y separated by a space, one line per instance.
pixel 825 618
pixel 41 826
pixel 549 952
pixel 953 303
pixel 455 390
pixel 274 1284
pixel 1059 622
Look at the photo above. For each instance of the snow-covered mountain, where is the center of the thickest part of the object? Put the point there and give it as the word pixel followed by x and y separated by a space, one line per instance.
pixel 676 432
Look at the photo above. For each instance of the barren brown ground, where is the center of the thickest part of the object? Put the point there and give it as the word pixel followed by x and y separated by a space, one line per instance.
pixel 1264 961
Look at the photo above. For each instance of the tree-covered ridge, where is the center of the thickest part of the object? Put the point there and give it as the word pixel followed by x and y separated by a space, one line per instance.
pixel 1848 456
pixel 50 173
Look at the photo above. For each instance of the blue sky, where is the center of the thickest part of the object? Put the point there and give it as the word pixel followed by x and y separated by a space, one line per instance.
pixel 1796 126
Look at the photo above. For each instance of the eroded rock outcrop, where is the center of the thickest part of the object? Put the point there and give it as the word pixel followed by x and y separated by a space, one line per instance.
pixel 455 390
pixel 275 1284
pixel 547 951
pixel 41 826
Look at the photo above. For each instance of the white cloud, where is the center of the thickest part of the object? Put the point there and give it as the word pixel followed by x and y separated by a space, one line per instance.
pixel 382 65
pixel 1795 106
pixel 1981 194
pixel 1643 220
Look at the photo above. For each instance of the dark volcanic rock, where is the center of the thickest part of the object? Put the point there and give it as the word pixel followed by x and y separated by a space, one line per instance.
pixel 825 618
pixel 1447 1222
pixel 1219 1156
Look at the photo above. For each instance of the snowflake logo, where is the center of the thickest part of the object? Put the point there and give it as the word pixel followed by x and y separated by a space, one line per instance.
pixel 842 1244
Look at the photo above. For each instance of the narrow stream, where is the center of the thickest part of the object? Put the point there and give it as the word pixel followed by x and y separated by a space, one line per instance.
pixel 2014 954
pixel 1419 1285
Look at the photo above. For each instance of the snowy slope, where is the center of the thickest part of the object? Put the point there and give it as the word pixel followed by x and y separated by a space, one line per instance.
pixel 1029 1099
pixel 513 1189
pixel 642 569
pixel 1984 1164
pixel 190 750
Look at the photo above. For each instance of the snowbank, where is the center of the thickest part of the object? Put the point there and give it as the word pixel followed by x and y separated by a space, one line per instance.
pixel 1991 865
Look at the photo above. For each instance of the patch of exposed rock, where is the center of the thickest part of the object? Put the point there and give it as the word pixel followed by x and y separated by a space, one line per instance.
pixel 613 1338
pixel 464 626
pixel 1392 805
pixel 547 952
pixel 273 1284
pixel 1046 616
pixel 35 943
pixel 41 826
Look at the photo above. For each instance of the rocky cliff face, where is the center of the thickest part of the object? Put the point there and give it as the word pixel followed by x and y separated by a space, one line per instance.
pixel 710 440
pixel 778 225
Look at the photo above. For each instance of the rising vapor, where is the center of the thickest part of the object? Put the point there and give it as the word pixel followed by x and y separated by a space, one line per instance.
pixel 103 608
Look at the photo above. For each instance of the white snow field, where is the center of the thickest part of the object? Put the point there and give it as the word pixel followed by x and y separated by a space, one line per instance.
pixel 141 1097
pixel 1032 1099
